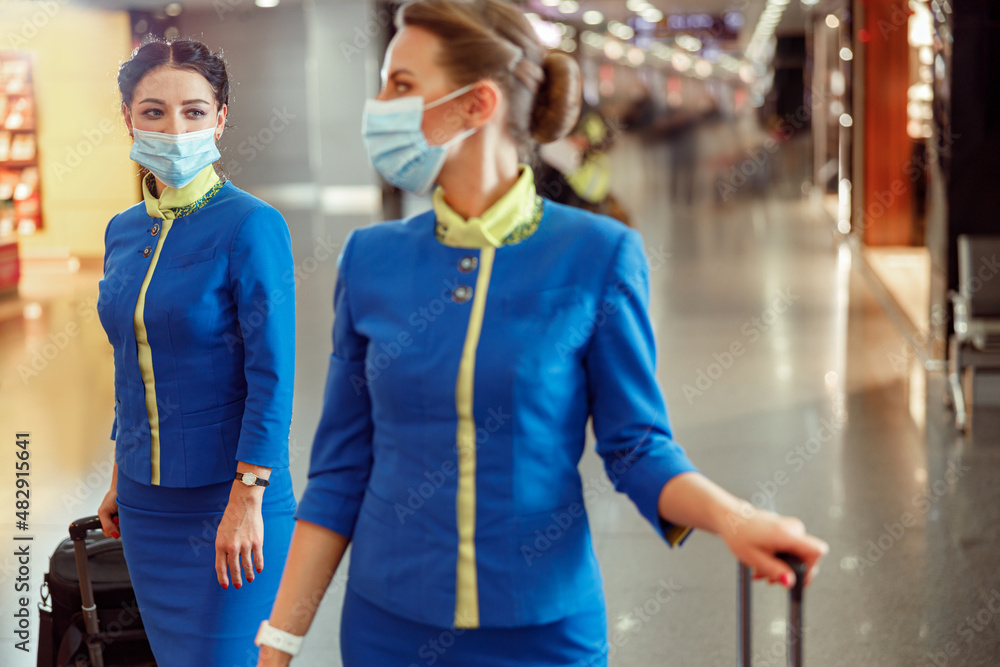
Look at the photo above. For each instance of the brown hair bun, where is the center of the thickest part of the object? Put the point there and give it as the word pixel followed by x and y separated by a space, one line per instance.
pixel 557 103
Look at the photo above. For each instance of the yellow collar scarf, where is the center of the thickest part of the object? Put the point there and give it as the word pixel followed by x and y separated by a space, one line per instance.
pixel 176 202
pixel 512 218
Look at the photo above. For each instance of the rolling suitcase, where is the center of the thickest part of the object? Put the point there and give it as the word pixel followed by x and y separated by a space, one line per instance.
pixel 793 639
pixel 92 617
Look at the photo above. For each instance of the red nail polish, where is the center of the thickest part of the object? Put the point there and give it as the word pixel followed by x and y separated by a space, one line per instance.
pixel 786 580
pixel 115 535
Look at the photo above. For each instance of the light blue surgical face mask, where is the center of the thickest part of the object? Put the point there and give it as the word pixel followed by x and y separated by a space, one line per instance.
pixel 397 146
pixel 175 159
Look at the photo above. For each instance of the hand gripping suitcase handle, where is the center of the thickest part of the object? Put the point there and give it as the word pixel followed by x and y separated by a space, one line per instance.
pixel 794 637
pixel 78 529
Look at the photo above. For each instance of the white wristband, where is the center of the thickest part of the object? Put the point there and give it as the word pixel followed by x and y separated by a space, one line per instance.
pixel 285 642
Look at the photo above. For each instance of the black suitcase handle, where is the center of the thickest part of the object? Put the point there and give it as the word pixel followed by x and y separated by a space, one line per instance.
pixel 78 533
pixel 78 529
pixel 794 636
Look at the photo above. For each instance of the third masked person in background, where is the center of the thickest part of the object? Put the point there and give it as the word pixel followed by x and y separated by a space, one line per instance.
pixel 485 405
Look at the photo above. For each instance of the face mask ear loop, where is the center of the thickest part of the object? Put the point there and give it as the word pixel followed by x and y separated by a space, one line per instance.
pixel 450 96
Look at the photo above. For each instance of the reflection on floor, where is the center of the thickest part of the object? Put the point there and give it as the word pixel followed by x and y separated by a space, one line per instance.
pixel 824 415
pixel 906 274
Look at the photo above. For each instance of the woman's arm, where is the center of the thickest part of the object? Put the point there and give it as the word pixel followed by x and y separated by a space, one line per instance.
pixel 109 506
pixel 752 534
pixel 640 455
pixel 313 558
pixel 260 268
pixel 239 540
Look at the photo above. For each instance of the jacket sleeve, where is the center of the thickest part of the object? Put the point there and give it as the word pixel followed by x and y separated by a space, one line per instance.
pixel 263 287
pixel 342 449
pixel 629 414
pixel 107 229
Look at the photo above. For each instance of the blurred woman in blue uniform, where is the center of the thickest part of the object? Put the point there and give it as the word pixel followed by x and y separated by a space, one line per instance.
pixel 471 345
pixel 198 303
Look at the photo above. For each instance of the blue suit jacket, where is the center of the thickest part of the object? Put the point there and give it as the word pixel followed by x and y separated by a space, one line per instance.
pixel 565 336
pixel 220 320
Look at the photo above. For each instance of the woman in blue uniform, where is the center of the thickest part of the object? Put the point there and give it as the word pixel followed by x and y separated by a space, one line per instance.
pixel 471 345
pixel 198 303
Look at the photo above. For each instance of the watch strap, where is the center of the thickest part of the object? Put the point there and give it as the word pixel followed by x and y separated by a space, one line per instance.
pixel 283 641
pixel 257 482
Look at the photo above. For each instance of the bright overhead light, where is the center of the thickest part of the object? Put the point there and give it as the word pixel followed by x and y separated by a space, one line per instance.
pixel 636 56
pixel 620 30
pixel 846 54
pixel 266 3
pixel 703 69
pixel 652 15
pixel 689 43
pixel 551 3
pixel 173 9
pixel 832 20
pixel 809 3
pixel 569 6
pixel 680 61
pixel 613 49
pixel 637 5
pixel 846 120
pixel 593 17
pixel 568 45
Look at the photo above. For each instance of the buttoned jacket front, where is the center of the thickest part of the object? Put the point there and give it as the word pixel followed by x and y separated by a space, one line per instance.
pixel 220 320
pixel 565 336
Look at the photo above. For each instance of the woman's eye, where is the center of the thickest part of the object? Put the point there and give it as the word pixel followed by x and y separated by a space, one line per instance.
pixel 402 87
pixel 197 113
pixel 152 113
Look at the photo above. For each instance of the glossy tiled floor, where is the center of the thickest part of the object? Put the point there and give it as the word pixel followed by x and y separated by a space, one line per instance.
pixel 823 414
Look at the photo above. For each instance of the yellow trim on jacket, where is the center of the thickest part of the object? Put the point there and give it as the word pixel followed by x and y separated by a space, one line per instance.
pixel 172 203
pixel 510 220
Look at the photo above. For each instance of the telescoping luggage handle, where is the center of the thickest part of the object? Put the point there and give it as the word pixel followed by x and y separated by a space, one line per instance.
pixel 78 533
pixel 794 637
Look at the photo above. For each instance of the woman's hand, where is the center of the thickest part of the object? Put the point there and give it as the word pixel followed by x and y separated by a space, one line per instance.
pixel 755 536
pixel 239 541
pixel 109 507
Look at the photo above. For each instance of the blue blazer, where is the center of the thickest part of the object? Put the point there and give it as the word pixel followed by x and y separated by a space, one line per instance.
pixel 565 337
pixel 220 320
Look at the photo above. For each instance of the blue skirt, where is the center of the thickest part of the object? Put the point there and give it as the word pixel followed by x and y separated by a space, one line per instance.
pixel 168 535
pixel 373 637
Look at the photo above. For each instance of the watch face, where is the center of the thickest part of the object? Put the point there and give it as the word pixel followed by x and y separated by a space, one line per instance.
pixel 249 478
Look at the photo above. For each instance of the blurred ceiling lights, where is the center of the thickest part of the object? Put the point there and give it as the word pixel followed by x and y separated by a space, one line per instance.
pixel 634 41
pixel 569 7
pixel 761 46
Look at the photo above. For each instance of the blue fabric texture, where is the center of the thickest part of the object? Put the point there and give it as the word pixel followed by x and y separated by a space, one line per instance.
pixel 565 337
pixel 369 636
pixel 220 318
pixel 168 535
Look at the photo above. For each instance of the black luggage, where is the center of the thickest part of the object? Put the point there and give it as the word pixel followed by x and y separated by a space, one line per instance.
pixel 793 639
pixel 92 618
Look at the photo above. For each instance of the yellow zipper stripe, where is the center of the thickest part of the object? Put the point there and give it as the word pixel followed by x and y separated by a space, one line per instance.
pixel 467 587
pixel 146 359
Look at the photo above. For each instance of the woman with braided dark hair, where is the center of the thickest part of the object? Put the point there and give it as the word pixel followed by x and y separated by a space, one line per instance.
pixel 471 345
pixel 198 306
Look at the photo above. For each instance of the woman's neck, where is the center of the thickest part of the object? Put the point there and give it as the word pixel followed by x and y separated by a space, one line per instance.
pixel 479 176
